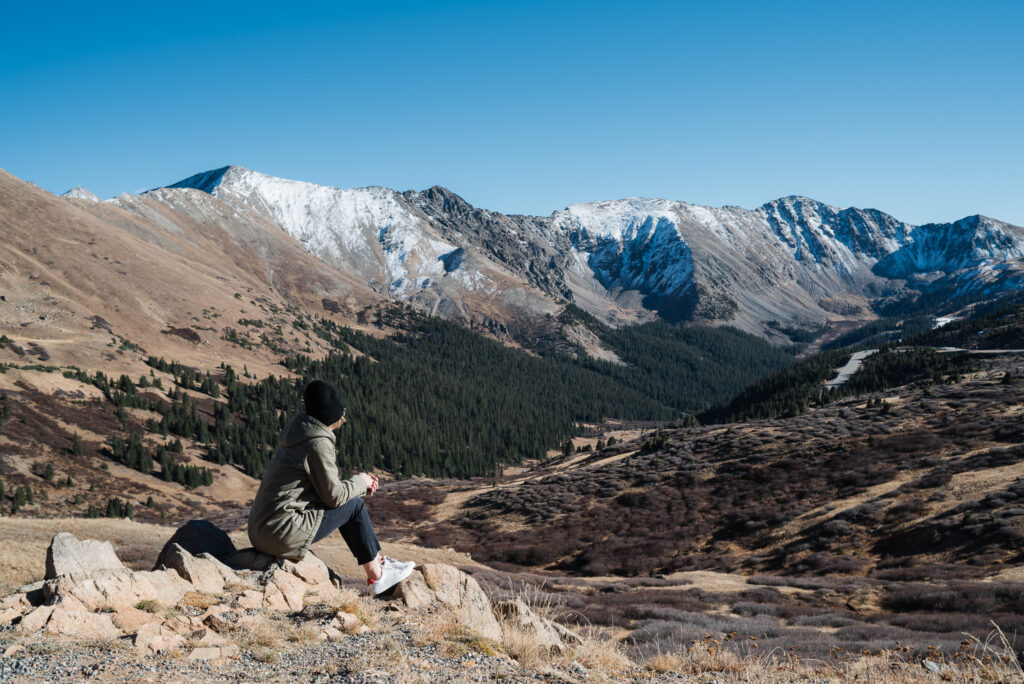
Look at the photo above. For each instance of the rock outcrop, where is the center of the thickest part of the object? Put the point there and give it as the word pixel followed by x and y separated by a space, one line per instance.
pixel 436 585
pixel 68 555
pixel 194 601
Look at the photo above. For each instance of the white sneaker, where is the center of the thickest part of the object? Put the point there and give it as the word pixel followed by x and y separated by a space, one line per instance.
pixel 392 572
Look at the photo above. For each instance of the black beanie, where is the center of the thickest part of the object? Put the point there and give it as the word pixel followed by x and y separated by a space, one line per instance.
pixel 323 402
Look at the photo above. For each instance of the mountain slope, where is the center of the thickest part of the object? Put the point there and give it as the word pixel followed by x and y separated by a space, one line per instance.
pixel 793 260
pixel 383 239
pixel 137 266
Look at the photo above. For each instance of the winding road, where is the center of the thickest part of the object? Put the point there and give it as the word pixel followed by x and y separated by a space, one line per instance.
pixel 853 365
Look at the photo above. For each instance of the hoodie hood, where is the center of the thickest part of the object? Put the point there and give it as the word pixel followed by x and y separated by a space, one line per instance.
pixel 303 428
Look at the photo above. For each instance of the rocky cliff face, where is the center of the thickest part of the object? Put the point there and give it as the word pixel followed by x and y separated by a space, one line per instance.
pixel 951 247
pixel 623 260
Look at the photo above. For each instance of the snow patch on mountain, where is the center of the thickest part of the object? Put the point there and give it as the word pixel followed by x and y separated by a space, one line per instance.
pixel 630 244
pixel 78 192
pixel 371 225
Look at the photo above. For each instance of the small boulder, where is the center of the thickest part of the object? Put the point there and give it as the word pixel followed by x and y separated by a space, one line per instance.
pixel 12 650
pixel 35 620
pixel 250 599
pixel 9 615
pixel 183 625
pixel 217 623
pixel 130 619
pixel 81 624
pixel 68 555
pixel 414 592
pixel 229 575
pixel 519 616
pixel 331 633
pixel 213 652
pixel 156 638
pixel 567 635
pixel 168 587
pixel 460 592
pixel 197 537
pixel 19 600
pixel 207 574
pixel 207 637
pixel 310 569
pixel 284 592
pixel 346 622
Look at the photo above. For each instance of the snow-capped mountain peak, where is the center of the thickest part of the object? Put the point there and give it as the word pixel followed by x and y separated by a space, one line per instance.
pixel 372 230
pixel 778 261
pixel 78 192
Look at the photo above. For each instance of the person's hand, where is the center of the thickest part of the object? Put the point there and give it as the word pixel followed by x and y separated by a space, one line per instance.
pixel 372 483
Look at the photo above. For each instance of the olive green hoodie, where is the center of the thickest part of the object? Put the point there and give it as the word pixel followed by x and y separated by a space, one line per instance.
pixel 299 483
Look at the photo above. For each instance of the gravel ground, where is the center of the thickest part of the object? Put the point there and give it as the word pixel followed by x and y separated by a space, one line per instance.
pixel 370 658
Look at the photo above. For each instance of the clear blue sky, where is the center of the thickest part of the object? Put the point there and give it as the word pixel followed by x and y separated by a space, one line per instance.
pixel 915 108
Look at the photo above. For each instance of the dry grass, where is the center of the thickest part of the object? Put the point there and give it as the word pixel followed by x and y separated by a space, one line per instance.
pixel 447 630
pixel 992 660
pixel 271 631
pixel 524 647
pixel 369 611
pixel 600 654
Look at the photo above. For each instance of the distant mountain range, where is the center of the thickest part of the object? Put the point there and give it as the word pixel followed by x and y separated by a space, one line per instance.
pixel 793 260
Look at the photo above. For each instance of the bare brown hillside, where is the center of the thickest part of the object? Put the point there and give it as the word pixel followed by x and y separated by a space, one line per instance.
pixel 98 284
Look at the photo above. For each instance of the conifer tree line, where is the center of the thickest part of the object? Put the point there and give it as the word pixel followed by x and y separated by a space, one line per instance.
pixel 688 368
pixel 115 508
pixel 436 400
pixel 796 388
pixel 439 400
pixel 134 454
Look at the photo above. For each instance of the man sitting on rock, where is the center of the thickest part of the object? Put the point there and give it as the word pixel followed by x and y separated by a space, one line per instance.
pixel 301 499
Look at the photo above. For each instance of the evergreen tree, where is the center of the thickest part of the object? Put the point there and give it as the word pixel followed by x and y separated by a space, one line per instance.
pixel 21 497
pixel 117 508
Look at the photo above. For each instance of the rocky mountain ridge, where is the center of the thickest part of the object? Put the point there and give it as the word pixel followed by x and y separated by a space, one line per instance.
pixel 793 259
